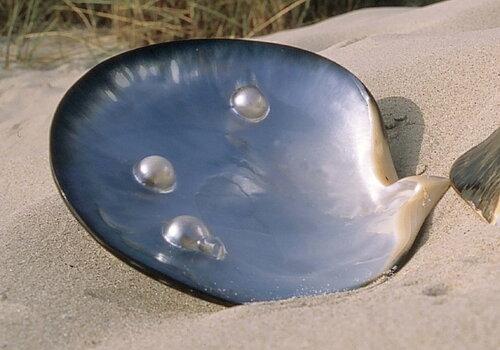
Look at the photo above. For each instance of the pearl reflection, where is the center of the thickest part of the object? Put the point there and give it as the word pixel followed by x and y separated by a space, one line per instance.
pixel 155 173
pixel 190 233
pixel 249 102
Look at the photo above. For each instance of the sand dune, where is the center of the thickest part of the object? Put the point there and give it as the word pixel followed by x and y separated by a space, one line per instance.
pixel 436 66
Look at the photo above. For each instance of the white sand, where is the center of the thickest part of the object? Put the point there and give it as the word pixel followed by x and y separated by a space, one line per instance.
pixel 437 66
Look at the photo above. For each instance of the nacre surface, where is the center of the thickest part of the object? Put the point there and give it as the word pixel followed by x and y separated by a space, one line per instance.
pixel 305 201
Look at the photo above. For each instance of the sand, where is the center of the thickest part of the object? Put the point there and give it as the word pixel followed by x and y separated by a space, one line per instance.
pixel 436 68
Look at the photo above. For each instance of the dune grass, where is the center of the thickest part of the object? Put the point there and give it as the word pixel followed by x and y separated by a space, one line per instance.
pixel 106 25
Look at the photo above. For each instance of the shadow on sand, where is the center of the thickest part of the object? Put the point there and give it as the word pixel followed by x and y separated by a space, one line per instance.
pixel 404 124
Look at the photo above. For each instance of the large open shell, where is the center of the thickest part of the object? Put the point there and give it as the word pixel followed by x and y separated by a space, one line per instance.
pixel 287 190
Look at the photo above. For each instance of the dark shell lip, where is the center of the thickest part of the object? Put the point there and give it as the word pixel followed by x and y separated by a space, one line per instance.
pixel 136 260
pixel 475 176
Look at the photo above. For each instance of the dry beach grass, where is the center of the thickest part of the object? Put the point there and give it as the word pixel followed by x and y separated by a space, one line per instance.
pixel 106 26
pixel 434 73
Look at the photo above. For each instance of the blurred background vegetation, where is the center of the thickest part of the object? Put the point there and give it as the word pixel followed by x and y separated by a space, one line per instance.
pixel 28 28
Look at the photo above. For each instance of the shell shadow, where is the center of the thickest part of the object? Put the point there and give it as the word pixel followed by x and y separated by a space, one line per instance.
pixel 405 126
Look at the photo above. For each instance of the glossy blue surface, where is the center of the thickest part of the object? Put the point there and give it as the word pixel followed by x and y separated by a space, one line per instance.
pixel 281 194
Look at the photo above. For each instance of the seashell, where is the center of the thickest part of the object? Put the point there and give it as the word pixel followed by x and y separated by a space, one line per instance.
pixel 271 176
pixel 475 176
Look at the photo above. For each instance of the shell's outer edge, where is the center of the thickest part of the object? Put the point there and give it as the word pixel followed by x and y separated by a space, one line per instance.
pixel 475 176
pixel 384 166
pixel 428 191
pixel 497 213
pixel 412 214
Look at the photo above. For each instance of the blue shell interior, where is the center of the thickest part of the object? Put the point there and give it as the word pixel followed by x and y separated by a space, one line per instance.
pixel 277 192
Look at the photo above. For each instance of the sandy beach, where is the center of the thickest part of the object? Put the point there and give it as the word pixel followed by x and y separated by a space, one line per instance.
pixel 434 72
